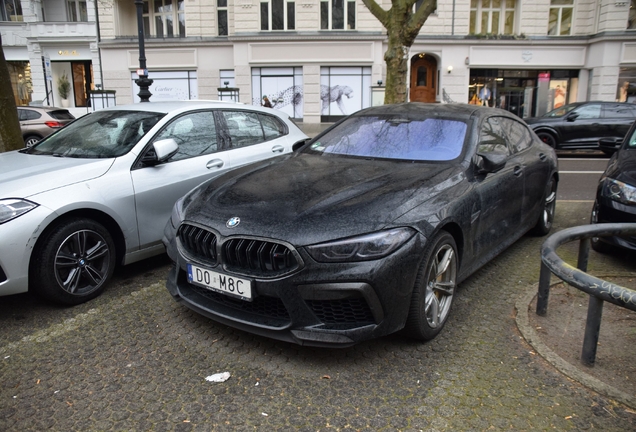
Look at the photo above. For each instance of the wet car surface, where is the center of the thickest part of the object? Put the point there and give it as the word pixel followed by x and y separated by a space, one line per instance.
pixel 365 230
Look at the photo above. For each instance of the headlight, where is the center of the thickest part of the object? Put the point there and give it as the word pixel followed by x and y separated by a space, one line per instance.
pixel 619 191
pixel 362 248
pixel 13 207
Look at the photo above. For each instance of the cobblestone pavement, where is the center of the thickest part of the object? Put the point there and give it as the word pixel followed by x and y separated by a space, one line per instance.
pixel 134 360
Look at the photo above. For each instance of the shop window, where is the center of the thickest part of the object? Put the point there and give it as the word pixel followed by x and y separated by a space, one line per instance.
pixel 164 18
pixel 561 12
pixel 492 17
pixel 631 21
pixel 11 10
pixel 337 15
pixel 221 11
pixel 76 11
pixel 344 90
pixel 278 15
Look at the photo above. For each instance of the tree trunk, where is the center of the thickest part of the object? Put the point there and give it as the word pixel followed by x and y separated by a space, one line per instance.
pixel 10 135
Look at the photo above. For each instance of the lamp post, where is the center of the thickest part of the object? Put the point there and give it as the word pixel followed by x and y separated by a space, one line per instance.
pixel 143 82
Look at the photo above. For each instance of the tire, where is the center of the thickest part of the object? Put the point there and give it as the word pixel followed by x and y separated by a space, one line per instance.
pixel 546 218
pixel 73 262
pixel 548 138
pixel 597 244
pixel 30 140
pixel 434 289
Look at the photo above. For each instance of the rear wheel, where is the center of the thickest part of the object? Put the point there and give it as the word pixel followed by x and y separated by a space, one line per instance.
pixel 31 140
pixel 547 138
pixel 434 289
pixel 546 218
pixel 73 262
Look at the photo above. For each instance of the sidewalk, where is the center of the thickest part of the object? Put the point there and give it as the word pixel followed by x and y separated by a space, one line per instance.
pixel 558 336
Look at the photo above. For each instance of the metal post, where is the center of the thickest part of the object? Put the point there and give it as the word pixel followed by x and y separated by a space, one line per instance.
pixel 592 330
pixel 584 254
pixel 544 290
pixel 143 82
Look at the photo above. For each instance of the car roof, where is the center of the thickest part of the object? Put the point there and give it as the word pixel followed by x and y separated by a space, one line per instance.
pixel 170 106
pixel 427 110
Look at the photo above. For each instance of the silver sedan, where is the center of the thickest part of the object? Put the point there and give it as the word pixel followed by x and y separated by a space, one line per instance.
pixel 99 192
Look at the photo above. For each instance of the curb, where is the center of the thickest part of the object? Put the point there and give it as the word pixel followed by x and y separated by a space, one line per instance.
pixel 522 306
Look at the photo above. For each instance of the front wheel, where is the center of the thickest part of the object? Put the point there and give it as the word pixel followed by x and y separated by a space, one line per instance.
pixel 597 244
pixel 546 218
pixel 73 262
pixel 434 289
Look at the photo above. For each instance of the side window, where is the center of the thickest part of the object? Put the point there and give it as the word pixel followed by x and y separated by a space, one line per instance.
pixel 618 111
pixel 588 111
pixel 244 128
pixel 518 135
pixel 272 126
pixel 195 133
pixel 26 114
pixel 492 138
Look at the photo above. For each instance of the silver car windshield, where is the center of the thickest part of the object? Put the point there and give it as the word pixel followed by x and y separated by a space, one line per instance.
pixel 102 134
pixel 431 139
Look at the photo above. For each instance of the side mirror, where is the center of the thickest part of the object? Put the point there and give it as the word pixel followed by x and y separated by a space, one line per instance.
pixel 571 117
pixel 609 145
pixel 490 162
pixel 160 152
pixel 299 144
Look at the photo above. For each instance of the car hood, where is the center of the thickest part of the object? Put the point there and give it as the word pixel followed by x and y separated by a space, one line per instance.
pixel 305 199
pixel 23 175
pixel 623 167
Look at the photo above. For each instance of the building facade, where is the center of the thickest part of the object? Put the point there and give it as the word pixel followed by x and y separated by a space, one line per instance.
pixel 321 59
pixel 44 40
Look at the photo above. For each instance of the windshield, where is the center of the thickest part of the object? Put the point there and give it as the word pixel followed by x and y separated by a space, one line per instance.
pixel 394 138
pixel 560 112
pixel 102 134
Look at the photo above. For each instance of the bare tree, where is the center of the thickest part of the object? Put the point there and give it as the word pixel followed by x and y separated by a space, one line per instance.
pixel 10 135
pixel 402 26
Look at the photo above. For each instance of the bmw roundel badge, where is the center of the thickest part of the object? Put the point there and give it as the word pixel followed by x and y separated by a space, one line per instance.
pixel 232 222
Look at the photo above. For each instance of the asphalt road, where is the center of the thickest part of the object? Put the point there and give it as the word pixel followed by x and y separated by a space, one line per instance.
pixel 133 359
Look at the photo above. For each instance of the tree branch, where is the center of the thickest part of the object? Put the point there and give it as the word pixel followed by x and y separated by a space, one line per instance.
pixel 418 19
pixel 377 11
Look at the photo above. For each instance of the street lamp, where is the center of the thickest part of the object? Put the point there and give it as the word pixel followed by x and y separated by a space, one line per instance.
pixel 143 82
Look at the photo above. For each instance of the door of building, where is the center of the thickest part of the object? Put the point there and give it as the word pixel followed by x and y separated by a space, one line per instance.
pixel 423 78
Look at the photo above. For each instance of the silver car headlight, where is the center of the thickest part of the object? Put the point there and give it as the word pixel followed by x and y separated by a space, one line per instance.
pixel 12 208
pixel 363 248
pixel 619 191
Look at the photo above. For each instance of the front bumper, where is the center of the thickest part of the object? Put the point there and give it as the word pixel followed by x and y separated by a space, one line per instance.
pixel 610 211
pixel 319 304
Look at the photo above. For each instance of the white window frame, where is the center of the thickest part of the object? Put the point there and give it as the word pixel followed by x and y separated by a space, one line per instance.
pixel 74 11
pixel 285 15
pixel 347 3
pixel 479 10
pixel 149 17
pixel 560 8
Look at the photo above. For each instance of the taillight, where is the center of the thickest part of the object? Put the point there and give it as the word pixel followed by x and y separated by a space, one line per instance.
pixel 53 124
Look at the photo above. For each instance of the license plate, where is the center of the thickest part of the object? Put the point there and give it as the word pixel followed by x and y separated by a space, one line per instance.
pixel 219 282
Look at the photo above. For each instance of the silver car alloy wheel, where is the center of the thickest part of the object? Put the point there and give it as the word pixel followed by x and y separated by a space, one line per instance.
pixel 82 262
pixel 440 286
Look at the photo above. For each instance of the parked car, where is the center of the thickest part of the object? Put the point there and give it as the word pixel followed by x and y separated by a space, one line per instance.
pixel 99 192
pixel 616 193
pixel 39 122
pixel 365 230
pixel 581 125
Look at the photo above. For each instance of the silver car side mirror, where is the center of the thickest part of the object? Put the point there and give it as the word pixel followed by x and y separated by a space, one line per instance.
pixel 165 149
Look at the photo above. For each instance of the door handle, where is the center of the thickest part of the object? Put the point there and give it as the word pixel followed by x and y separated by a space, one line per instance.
pixel 542 156
pixel 517 171
pixel 278 149
pixel 214 163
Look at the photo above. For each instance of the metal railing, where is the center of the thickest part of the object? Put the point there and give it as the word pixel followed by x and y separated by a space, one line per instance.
pixel 599 290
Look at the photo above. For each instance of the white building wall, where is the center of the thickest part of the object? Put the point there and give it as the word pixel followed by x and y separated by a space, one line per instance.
pixel 613 15
pixel 534 17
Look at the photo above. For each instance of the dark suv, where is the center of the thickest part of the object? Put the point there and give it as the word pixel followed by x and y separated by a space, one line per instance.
pixel 581 125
